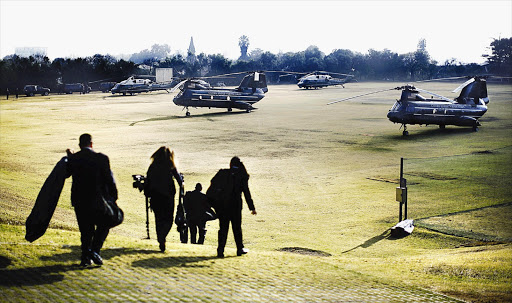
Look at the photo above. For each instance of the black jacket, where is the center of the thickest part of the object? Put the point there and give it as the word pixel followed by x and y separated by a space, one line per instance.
pixel 92 179
pixel 196 205
pixel 239 184
pixel 160 181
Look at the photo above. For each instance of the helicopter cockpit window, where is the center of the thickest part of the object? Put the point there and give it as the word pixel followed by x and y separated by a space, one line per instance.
pixel 396 106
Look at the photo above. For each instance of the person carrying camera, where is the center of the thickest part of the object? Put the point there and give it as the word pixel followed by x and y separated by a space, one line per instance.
pixel 161 190
pixel 92 182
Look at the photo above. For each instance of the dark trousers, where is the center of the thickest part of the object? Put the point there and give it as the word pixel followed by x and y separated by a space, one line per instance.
pixel 163 207
pixel 92 231
pixel 194 226
pixel 235 218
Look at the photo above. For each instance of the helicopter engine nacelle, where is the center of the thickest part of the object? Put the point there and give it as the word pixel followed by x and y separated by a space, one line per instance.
pixel 474 91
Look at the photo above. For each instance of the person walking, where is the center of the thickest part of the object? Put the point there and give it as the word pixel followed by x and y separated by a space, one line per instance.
pixel 230 210
pixel 161 190
pixel 93 182
pixel 198 211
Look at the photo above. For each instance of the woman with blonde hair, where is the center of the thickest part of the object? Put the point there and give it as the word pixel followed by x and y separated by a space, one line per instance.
pixel 161 190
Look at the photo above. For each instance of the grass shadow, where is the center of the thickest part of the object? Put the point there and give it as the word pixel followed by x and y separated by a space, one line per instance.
pixel 385 235
pixel 167 262
pixel 4 262
pixel 215 114
pixel 419 133
pixel 107 253
pixel 205 115
pixel 41 275
pixel 155 119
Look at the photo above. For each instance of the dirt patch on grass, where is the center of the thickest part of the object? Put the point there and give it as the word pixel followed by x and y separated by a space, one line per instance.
pixel 305 251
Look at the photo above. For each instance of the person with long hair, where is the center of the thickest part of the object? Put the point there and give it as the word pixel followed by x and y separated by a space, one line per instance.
pixel 230 211
pixel 161 190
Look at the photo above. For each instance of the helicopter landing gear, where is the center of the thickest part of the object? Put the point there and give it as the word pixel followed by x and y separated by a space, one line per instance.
pixel 187 113
pixel 230 109
pixel 475 128
pixel 442 126
pixel 405 132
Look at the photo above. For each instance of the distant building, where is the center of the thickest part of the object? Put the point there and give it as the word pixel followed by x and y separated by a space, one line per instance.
pixel 30 51
pixel 163 74
pixel 191 53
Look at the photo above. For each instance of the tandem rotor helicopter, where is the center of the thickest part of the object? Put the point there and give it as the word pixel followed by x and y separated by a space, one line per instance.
pixel 196 92
pixel 413 108
pixel 319 79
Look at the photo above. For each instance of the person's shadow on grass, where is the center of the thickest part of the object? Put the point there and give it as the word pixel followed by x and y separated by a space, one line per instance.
pixel 106 253
pixel 41 275
pixel 162 261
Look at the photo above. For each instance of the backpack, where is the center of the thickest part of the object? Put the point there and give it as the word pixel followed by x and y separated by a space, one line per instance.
pixel 218 192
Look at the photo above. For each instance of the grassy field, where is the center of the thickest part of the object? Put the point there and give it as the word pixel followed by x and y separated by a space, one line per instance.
pixel 323 179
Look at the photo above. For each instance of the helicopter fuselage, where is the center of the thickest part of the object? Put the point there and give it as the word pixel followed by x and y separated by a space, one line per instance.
pixel 220 98
pixel 199 93
pixel 133 86
pixel 130 88
pixel 316 81
pixel 437 112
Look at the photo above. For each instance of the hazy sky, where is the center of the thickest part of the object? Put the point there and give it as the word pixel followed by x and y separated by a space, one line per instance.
pixel 452 29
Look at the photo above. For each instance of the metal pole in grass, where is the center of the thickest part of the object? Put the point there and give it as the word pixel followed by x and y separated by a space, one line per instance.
pixel 403 184
pixel 401 193
pixel 405 227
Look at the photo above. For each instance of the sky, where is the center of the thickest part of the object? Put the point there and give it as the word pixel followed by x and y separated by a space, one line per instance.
pixel 453 29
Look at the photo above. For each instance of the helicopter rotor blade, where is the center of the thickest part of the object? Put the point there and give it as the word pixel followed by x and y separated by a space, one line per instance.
pixel 100 80
pixel 458 89
pixel 440 79
pixel 353 97
pixel 289 74
pixel 331 73
pixel 178 85
pixel 434 94
pixel 232 74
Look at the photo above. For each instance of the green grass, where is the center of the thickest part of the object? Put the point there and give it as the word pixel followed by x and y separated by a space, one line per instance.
pixel 315 172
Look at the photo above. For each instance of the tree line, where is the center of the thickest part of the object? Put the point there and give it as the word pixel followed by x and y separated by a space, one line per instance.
pixel 15 71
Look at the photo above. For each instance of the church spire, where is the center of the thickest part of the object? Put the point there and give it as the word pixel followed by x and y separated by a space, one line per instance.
pixel 191 48
pixel 191 54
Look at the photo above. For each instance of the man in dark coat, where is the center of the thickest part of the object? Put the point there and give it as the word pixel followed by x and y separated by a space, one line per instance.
pixel 196 207
pixel 92 182
pixel 230 210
